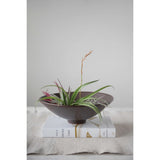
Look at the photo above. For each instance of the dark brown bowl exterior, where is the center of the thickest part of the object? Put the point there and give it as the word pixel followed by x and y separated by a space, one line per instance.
pixel 77 114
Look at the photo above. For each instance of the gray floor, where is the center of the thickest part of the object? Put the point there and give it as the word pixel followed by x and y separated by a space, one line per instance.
pixel 81 157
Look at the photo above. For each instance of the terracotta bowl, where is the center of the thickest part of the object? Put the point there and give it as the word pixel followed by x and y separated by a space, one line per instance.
pixel 77 114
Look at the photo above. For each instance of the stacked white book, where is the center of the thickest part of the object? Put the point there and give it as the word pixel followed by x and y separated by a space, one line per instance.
pixel 93 128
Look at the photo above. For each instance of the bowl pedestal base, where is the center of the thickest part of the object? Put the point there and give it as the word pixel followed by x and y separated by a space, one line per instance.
pixel 77 121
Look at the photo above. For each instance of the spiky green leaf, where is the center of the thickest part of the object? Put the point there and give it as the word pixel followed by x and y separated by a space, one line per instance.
pixel 74 95
pixel 51 97
pixel 90 105
pixel 92 94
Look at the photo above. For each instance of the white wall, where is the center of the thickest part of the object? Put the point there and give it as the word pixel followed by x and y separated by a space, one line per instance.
pixel 60 32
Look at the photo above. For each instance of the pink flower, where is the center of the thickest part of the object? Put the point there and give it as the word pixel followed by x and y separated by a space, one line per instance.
pixel 48 95
pixel 57 86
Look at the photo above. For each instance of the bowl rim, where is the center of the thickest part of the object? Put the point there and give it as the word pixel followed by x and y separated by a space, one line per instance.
pixel 52 104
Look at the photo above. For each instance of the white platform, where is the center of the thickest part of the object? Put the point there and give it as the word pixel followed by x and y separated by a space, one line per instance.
pixel 59 127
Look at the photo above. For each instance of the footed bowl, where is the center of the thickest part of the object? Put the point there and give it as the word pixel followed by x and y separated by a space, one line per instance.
pixel 77 114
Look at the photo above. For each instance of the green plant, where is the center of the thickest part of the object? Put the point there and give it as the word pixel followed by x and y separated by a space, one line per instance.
pixel 74 99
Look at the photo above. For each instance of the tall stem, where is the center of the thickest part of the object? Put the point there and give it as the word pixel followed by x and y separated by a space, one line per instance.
pixel 81 71
pixel 81 76
pixel 83 59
